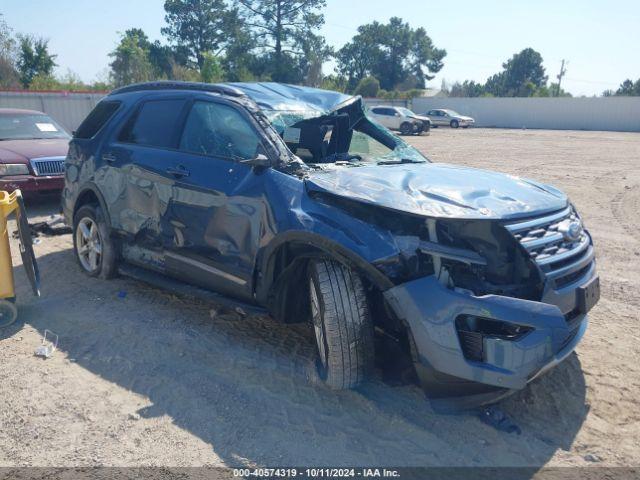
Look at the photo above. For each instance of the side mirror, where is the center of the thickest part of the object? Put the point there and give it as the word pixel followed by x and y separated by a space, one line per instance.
pixel 259 160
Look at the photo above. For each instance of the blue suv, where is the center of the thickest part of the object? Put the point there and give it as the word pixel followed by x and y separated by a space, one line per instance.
pixel 293 201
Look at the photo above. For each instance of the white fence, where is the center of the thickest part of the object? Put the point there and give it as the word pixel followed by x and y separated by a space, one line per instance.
pixel 620 114
pixel 603 113
pixel 68 109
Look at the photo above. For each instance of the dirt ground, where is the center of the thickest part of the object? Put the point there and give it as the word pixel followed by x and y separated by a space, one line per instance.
pixel 143 377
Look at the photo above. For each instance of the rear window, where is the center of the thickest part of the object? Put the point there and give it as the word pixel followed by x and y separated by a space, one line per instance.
pixel 98 117
pixel 155 125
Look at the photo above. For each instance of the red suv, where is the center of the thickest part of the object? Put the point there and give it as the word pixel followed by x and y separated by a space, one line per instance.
pixel 32 152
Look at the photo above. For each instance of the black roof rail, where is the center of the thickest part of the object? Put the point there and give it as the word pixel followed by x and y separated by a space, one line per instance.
pixel 173 85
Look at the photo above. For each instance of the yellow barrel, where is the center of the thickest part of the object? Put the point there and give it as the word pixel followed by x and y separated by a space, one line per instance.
pixel 8 203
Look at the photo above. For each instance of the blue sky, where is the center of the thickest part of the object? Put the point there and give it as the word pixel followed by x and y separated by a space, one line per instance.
pixel 601 40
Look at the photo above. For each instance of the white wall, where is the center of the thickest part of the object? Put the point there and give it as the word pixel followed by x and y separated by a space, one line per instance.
pixel 68 109
pixel 602 113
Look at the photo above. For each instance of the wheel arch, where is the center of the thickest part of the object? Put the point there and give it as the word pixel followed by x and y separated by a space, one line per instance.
pixel 284 260
pixel 90 194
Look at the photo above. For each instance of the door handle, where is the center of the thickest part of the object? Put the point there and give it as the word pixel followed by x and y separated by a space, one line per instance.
pixel 109 157
pixel 178 171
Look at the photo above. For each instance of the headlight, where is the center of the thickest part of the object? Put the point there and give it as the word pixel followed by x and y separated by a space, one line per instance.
pixel 13 169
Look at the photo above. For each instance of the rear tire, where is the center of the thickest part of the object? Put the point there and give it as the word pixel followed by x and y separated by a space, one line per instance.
pixel 92 244
pixel 342 324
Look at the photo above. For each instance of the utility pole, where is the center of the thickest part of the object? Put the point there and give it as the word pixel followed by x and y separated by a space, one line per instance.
pixel 559 77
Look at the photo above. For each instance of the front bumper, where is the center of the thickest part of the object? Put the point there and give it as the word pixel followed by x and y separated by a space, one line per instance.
pixel 430 310
pixel 31 185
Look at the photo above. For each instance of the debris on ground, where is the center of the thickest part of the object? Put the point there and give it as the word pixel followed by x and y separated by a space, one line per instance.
pixel 48 346
pixel 495 417
pixel 55 226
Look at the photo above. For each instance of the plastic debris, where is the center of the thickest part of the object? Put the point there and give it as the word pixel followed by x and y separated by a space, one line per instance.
pixel 122 294
pixel 53 227
pixel 48 346
pixel 499 420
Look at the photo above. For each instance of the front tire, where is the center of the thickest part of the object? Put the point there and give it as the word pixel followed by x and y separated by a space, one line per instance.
pixel 454 124
pixel 406 128
pixel 342 324
pixel 92 244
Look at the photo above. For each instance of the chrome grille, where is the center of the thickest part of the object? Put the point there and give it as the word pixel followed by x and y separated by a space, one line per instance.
pixel 48 166
pixel 557 243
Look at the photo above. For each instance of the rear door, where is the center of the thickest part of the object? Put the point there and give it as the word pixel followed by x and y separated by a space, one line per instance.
pixel 387 117
pixel 435 116
pixel 138 182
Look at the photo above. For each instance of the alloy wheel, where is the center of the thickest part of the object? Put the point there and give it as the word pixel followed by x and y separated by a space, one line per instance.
pixel 88 244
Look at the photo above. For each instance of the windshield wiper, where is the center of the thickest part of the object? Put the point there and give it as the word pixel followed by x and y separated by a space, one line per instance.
pixel 400 161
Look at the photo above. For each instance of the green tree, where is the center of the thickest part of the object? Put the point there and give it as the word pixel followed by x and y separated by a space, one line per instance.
pixel 238 60
pixel 396 54
pixel 211 71
pixel 284 31
pixel 9 76
pixel 199 26
pixel 468 88
pixel 629 88
pixel 131 59
pixel 522 76
pixel 368 87
pixel 34 59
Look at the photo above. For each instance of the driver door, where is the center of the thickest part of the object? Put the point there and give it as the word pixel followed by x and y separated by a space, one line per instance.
pixel 217 206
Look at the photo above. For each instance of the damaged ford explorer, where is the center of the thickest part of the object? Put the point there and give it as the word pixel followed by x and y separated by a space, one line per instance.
pixel 292 201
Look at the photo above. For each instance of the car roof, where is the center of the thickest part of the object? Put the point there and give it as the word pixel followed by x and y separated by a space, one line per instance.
pixel 268 95
pixel 19 111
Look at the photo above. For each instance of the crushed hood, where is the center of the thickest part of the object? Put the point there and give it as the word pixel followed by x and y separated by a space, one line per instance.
pixel 439 190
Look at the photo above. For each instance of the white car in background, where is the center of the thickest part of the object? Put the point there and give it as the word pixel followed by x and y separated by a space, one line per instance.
pixel 401 119
pixel 444 116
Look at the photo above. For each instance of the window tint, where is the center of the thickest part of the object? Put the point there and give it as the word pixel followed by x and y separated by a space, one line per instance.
pixel 219 130
pixel 155 124
pixel 378 111
pixel 98 117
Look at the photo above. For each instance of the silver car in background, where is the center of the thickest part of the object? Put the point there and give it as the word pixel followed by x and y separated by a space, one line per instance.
pixel 453 119
pixel 400 119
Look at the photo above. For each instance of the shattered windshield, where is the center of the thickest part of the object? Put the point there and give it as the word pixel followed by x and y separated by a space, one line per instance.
pixel 332 138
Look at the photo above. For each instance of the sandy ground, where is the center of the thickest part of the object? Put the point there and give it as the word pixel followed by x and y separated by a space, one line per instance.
pixel 143 377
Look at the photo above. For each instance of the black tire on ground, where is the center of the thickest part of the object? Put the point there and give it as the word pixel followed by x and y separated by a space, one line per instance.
pixel 406 128
pixel 8 313
pixel 454 124
pixel 426 128
pixel 105 264
pixel 342 324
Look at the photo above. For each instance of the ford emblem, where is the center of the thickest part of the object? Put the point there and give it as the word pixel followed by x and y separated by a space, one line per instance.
pixel 571 230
